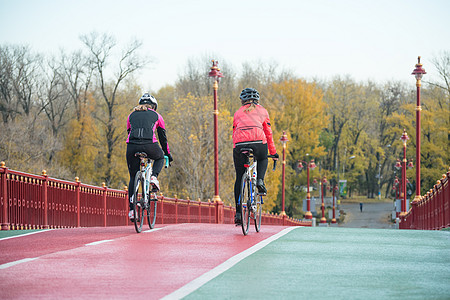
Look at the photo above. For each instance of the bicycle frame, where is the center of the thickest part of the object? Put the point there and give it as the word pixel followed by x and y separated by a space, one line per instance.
pixel 251 173
pixel 146 170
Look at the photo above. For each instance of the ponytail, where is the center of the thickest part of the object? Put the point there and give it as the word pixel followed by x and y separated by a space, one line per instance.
pixel 143 107
pixel 251 107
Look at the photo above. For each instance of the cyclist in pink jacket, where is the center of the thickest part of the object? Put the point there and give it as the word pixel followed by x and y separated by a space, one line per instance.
pixel 251 129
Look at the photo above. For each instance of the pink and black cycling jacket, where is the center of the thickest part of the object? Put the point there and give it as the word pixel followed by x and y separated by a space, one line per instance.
pixel 253 126
pixel 142 127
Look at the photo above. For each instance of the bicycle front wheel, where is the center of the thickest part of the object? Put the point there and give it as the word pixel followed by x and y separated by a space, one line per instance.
pixel 258 212
pixel 151 210
pixel 138 202
pixel 245 203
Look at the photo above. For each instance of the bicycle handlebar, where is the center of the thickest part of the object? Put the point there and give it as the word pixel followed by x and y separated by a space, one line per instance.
pixel 166 159
pixel 274 161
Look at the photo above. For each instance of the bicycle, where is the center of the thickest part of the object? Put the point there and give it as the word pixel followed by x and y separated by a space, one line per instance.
pixel 250 201
pixel 144 199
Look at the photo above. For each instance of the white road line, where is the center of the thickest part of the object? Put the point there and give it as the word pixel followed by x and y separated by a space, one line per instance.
pixel 203 279
pixel 20 235
pixel 153 230
pixel 10 264
pixel 7 265
pixel 98 242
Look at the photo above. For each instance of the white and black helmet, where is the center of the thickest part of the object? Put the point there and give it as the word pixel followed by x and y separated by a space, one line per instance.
pixel 249 94
pixel 148 99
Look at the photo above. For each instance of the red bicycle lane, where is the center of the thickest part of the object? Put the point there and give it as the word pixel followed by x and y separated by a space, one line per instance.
pixel 103 263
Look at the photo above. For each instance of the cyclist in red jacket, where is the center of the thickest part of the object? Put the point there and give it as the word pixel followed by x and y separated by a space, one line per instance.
pixel 251 129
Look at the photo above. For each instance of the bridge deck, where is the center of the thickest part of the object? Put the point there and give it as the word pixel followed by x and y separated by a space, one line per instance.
pixel 210 261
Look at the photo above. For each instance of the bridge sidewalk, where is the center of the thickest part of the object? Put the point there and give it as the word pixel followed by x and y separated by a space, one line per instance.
pixel 340 263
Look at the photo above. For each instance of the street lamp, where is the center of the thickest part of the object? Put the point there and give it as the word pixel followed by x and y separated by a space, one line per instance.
pixel 396 187
pixel 343 174
pixel 284 141
pixel 418 73
pixel 404 139
pixel 322 183
pixel 216 75
pixel 343 166
pixel 309 165
pixel 333 221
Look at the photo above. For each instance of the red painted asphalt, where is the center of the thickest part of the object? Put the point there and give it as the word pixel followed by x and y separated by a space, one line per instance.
pixel 149 265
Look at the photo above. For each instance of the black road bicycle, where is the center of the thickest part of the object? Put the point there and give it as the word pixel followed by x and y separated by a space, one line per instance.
pixel 144 198
pixel 250 201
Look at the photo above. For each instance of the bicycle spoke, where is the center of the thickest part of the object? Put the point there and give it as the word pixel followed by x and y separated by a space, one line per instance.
pixel 258 213
pixel 151 211
pixel 245 201
pixel 138 203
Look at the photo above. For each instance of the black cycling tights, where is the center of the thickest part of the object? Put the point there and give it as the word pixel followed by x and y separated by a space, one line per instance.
pixel 260 153
pixel 153 151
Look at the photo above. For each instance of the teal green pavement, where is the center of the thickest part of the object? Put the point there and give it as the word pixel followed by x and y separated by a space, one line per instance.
pixel 10 233
pixel 340 263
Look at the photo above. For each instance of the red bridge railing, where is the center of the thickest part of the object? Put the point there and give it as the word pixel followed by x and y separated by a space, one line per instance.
pixel 432 211
pixel 38 201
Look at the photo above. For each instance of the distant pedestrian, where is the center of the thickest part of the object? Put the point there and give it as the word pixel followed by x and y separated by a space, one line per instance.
pixel 360 206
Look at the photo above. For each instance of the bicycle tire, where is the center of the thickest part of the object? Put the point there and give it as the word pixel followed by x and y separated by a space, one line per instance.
pixel 138 202
pixel 151 212
pixel 258 213
pixel 245 201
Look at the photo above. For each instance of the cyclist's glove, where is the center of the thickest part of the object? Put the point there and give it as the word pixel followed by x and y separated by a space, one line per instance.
pixel 170 157
pixel 276 156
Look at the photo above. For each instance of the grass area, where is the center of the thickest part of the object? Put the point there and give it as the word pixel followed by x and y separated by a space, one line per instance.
pixel 364 199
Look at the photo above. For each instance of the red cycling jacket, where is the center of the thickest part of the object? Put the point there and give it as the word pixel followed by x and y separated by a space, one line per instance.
pixel 253 126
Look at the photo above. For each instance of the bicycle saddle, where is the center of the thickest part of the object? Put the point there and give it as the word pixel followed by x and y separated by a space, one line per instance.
pixel 247 151
pixel 141 154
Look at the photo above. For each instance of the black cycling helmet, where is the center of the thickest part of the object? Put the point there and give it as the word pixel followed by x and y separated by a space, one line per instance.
pixel 148 99
pixel 249 94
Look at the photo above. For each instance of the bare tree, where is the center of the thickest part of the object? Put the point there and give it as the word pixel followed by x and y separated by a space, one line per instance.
pixel 100 48
pixel 442 65
pixel 24 76
pixel 52 95
pixel 8 106
pixel 77 70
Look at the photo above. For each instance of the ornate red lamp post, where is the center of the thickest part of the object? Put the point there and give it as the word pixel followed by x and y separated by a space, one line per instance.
pixel 418 73
pixel 216 75
pixel 284 141
pixel 309 165
pixel 404 139
pixel 335 189
pixel 396 187
pixel 322 183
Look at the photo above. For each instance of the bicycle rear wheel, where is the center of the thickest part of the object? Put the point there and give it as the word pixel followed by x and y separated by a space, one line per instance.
pixel 258 212
pixel 245 203
pixel 151 210
pixel 138 202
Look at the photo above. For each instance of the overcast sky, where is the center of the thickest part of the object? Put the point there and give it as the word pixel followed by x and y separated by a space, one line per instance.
pixel 374 39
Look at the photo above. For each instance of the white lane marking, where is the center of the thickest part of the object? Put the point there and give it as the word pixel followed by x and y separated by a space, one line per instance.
pixel 20 235
pixel 203 279
pixel 10 264
pixel 98 242
pixel 153 230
